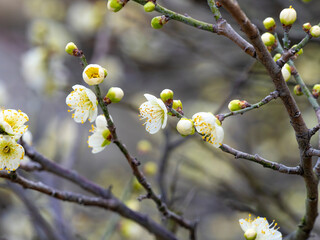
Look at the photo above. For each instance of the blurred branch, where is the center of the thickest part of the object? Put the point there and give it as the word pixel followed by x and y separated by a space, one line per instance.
pixel 112 203
pixel 265 163
pixel 37 218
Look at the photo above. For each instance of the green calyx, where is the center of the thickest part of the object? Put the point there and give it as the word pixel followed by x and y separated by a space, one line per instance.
pixel 297 90
pixel 107 136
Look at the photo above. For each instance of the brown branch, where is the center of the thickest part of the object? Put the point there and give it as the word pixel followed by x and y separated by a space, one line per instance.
pixel 112 204
pixel 264 162
pixel 296 120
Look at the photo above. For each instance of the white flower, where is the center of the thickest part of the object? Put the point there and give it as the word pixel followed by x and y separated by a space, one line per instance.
pixel 11 153
pixel 209 127
pixel 84 102
pixel 259 229
pixel 101 136
pixel 12 122
pixel 94 74
pixel 155 112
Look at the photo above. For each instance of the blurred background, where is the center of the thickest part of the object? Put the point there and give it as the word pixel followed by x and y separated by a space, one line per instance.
pixel 204 70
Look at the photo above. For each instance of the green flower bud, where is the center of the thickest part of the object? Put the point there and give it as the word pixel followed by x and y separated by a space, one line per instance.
pixel 114 5
pixel 315 31
pixel 185 127
pixel 316 90
pixel 158 22
pixel 70 47
pixel 306 27
pixel 269 23
pixel 297 90
pixel 250 234
pixel 286 74
pixel 268 39
pixel 277 57
pixel 288 16
pixel 306 1
pixel 166 95
pixel 149 6
pixel 150 168
pixel 177 104
pixel 234 105
pixel 114 94
pixel 300 51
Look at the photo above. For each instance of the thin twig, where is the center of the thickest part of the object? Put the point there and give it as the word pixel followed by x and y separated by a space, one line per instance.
pixel 264 162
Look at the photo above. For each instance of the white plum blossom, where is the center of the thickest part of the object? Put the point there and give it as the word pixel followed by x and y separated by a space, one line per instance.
pixel 209 127
pixel 155 111
pixel 260 229
pixel 84 102
pixel 94 74
pixel 101 136
pixel 12 122
pixel 11 153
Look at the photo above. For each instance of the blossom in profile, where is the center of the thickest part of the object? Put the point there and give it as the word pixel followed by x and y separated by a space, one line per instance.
pixel 155 113
pixel 11 153
pixel 12 122
pixel 84 104
pixel 259 229
pixel 101 136
pixel 209 127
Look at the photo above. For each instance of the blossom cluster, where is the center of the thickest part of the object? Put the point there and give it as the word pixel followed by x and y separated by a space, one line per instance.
pixel 155 112
pixel 83 102
pixel 11 129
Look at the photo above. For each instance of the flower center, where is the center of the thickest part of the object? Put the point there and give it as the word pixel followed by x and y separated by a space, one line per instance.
pixel 92 72
pixel 6 149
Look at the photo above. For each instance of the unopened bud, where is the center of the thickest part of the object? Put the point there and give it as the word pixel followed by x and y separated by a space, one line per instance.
pixel 71 48
pixel 149 6
pixel 177 105
pixel 166 95
pixel 288 16
pixel 286 74
pixel 114 95
pixel 268 39
pixel 158 22
pixel 297 90
pixel 287 66
pixel 234 105
pixel 250 234
pixel 315 31
pixel 185 127
pixel 269 23
pixel 150 168
pixel 316 90
pixel 306 27
pixel 115 5
pixel 277 57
